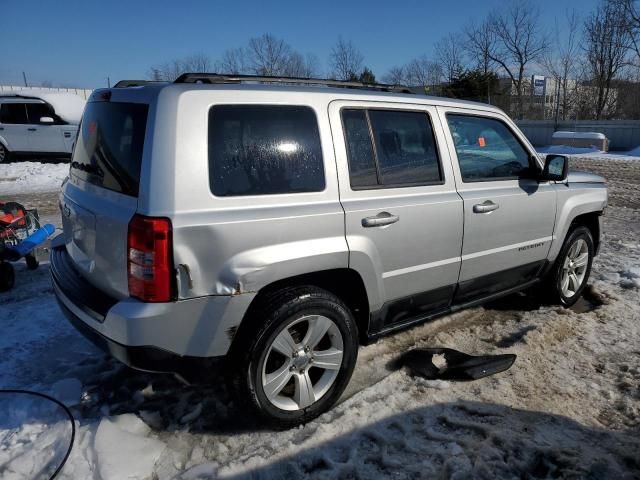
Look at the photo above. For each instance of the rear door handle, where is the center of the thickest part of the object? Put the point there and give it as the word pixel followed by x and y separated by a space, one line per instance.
pixel 383 218
pixel 485 207
pixel 32 129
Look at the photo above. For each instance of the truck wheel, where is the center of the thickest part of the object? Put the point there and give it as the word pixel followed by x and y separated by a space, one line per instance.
pixel 300 359
pixel 568 277
pixel 32 261
pixel 4 154
pixel 7 277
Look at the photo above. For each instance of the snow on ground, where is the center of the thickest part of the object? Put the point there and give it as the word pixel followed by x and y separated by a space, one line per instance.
pixel 20 177
pixel 569 407
pixel 591 152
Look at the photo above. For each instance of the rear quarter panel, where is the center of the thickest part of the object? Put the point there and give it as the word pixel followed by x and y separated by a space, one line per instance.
pixel 233 245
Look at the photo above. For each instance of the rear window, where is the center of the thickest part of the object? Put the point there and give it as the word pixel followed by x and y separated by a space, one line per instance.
pixel 264 149
pixel 108 151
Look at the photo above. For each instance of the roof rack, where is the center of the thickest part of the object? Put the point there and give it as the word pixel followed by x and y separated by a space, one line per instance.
pixel 212 78
pixel 134 83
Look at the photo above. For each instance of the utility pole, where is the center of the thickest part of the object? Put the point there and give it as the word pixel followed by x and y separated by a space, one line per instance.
pixel 108 82
pixel 24 77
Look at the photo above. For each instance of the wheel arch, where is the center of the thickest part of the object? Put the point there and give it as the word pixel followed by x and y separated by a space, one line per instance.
pixel 345 283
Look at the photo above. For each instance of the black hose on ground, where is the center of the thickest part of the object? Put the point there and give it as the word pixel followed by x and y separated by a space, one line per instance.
pixel 66 410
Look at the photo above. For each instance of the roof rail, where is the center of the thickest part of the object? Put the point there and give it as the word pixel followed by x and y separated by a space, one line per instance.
pixel 212 78
pixel 134 83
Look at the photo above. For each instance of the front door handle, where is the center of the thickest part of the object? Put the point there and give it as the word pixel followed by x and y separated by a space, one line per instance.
pixel 32 129
pixel 485 207
pixel 383 218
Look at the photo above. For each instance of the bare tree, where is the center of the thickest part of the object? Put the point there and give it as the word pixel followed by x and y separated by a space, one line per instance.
pixel 606 41
pixel 519 41
pixel 345 60
pixel 396 76
pixel 422 72
pixel 480 44
pixel 169 71
pixel 302 66
pixel 233 62
pixel 630 16
pixel 562 62
pixel 450 55
pixel 268 55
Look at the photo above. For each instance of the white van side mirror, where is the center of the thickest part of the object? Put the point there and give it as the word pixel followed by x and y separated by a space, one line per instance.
pixel 46 120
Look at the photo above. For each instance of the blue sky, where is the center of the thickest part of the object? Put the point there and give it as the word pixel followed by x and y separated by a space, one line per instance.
pixel 80 43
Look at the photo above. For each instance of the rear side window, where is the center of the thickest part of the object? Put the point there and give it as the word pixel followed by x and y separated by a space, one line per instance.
pixel 487 149
pixel 108 151
pixel 390 148
pixel 13 113
pixel 263 150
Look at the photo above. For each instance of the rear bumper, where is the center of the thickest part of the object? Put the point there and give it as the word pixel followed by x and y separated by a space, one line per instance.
pixel 147 336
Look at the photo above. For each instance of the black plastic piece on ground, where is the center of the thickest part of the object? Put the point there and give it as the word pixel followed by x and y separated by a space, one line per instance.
pixel 455 365
pixel 66 410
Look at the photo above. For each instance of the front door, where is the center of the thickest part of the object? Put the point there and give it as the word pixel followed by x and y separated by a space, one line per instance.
pixel 403 216
pixel 44 137
pixel 508 215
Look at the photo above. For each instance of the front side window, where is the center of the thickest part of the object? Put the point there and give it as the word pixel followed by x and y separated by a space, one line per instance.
pixel 390 148
pixel 264 149
pixel 13 113
pixel 35 111
pixel 487 149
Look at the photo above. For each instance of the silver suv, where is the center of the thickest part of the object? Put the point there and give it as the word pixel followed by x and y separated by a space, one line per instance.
pixel 266 227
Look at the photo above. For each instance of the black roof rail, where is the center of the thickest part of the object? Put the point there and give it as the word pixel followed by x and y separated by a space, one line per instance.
pixel 134 83
pixel 212 78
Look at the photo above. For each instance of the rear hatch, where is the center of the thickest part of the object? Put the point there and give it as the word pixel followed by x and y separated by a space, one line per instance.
pixel 101 195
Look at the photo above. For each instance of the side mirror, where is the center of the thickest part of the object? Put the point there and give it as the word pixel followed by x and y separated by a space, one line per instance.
pixel 46 120
pixel 556 168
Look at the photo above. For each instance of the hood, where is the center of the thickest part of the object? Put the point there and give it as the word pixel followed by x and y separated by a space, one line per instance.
pixel 584 177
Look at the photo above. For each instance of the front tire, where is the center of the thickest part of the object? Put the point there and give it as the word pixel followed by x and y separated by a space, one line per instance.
pixel 570 273
pixel 300 359
pixel 7 277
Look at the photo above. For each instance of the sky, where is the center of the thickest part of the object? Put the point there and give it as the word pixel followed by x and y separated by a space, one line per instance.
pixel 81 43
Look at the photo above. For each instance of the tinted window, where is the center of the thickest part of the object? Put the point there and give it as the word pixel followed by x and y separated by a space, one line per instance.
pixel 264 149
pixel 405 152
pixel 487 149
pixel 108 151
pixel 13 113
pixel 405 147
pixel 35 111
pixel 362 163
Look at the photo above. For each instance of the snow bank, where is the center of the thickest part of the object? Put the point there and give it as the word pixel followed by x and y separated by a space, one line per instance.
pixel 124 449
pixel 567 150
pixel 584 135
pixel 26 177
pixel 634 152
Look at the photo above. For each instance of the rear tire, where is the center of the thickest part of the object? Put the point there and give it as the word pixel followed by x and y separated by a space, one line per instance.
pixel 7 277
pixel 4 154
pixel 295 356
pixel 569 275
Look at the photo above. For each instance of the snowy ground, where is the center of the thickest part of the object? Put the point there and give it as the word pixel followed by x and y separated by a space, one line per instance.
pixel 569 407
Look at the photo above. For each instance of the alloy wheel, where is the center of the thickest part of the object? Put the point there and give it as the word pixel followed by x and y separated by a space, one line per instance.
pixel 574 268
pixel 302 362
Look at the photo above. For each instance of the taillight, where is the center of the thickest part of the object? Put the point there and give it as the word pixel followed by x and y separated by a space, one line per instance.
pixel 149 259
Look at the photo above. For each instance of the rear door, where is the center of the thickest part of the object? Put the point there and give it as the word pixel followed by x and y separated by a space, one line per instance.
pixel 403 214
pixel 44 137
pixel 101 195
pixel 508 215
pixel 14 126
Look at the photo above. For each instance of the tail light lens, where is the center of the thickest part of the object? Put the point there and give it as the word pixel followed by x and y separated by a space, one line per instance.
pixel 149 259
